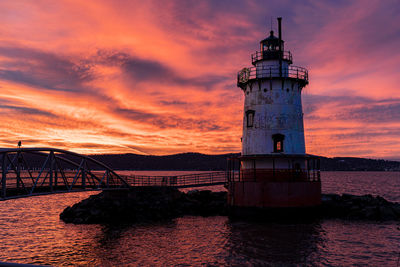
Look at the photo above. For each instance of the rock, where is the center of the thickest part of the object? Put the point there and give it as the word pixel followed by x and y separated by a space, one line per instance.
pixel 396 209
pixel 144 204
pixel 163 203
pixel 95 212
pixel 386 213
pixel 364 207
pixel 192 192
pixel 370 213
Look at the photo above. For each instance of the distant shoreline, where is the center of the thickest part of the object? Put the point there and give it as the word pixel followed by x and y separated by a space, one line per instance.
pixel 203 162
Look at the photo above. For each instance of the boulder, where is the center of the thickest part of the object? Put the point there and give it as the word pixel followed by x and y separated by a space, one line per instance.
pixel 366 207
pixel 144 204
pixel 163 203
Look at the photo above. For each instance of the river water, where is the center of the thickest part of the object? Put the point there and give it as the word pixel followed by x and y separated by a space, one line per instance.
pixel 31 232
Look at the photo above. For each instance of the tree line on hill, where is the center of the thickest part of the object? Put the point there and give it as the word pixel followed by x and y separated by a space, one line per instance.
pixel 202 162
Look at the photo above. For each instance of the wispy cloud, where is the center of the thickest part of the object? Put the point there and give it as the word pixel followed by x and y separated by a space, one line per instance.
pixel 128 76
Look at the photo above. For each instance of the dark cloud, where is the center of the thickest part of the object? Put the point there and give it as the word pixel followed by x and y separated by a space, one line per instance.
pixel 151 71
pixel 174 103
pixel 134 114
pixel 27 110
pixel 98 146
pixel 171 121
pixel 375 113
pixel 355 108
pixel 156 72
pixel 43 69
pixel 165 121
pixel 148 70
pixel 367 133
pixel 13 141
pixel 312 99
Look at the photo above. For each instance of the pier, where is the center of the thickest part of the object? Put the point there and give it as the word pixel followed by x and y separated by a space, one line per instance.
pixel 36 171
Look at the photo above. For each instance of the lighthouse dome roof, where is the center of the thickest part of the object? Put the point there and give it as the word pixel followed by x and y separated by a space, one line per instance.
pixel 271 39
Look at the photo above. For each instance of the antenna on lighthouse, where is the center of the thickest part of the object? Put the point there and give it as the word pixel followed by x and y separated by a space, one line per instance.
pixel 280 45
pixel 271 24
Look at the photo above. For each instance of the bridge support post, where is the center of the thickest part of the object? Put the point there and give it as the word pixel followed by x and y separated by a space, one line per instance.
pixel 107 178
pixel 84 174
pixel 18 170
pixel 4 175
pixel 51 170
pixel 55 177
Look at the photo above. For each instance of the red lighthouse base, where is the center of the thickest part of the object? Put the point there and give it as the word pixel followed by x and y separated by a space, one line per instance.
pixel 288 190
pixel 275 201
pixel 265 194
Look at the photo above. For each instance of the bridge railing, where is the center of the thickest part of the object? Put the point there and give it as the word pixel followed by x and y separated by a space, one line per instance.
pixel 187 180
pixel 28 171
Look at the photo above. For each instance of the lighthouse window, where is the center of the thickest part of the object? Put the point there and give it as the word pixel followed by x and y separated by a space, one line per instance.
pixel 279 146
pixel 278 142
pixel 250 118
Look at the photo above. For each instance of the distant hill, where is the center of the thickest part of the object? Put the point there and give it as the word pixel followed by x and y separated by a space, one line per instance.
pixel 202 162
pixel 197 161
pixel 358 164
pixel 184 161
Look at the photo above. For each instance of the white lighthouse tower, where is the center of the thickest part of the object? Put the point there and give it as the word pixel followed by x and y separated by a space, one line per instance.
pixel 275 170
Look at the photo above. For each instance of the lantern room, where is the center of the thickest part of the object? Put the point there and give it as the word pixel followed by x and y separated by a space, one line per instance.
pixel 271 43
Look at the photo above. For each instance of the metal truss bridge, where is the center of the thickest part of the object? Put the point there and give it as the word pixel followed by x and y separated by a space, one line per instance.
pixel 35 171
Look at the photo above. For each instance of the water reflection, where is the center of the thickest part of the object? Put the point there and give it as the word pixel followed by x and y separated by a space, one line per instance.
pixel 188 240
pixel 31 232
pixel 207 240
pixel 272 243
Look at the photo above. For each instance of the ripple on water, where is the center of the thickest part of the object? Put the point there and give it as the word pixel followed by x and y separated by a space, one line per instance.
pixel 32 233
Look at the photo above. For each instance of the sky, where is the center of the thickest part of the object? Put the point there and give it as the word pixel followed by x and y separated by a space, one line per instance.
pixel 159 77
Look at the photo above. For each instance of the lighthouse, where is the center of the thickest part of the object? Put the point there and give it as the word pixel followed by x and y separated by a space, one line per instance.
pixel 273 170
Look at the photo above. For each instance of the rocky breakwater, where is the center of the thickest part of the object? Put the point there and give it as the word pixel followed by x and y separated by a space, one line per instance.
pixel 366 207
pixel 163 203
pixel 144 205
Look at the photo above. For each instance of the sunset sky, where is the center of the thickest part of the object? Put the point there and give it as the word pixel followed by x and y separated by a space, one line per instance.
pixel 159 77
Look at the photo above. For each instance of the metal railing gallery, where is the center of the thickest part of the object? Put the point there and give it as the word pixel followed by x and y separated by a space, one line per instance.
pixel 269 72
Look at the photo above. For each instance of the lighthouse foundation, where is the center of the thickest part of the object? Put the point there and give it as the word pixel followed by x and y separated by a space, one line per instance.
pixel 294 185
pixel 266 194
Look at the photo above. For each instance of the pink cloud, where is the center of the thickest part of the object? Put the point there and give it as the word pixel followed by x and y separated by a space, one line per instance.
pixel 131 76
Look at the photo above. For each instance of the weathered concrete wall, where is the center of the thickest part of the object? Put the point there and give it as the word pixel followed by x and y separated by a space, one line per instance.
pixel 277 109
pixel 274 194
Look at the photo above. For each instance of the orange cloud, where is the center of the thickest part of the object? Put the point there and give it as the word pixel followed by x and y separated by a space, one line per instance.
pixel 131 76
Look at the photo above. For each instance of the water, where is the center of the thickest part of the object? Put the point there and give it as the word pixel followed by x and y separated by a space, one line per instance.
pixel 31 232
